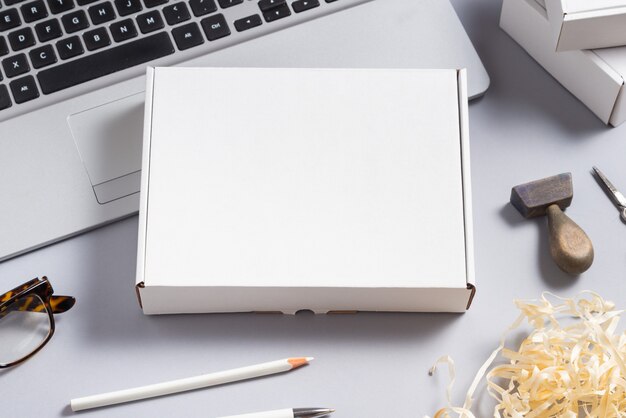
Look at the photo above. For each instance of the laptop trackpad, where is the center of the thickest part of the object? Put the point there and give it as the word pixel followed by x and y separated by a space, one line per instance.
pixel 109 139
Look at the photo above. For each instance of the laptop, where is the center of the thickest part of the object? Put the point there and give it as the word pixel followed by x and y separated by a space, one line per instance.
pixel 73 80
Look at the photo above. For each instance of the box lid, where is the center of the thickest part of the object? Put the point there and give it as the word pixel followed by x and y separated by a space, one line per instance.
pixel 305 178
pixel 580 6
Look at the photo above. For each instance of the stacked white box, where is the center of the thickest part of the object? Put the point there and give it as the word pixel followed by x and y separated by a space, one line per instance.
pixel 586 24
pixel 596 77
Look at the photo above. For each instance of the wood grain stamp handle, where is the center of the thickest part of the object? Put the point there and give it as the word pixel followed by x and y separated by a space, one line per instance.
pixel 570 246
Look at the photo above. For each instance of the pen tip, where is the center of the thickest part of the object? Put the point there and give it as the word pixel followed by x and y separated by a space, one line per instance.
pixel 310 358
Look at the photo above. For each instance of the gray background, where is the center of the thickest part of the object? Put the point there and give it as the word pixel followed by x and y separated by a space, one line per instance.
pixel 368 365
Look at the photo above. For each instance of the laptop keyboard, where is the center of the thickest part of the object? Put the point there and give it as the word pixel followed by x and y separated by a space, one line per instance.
pixel 47 46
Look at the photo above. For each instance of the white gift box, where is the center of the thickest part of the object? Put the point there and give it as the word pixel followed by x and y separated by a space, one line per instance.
pixel 279 190
pixel 596 77
pixel 586 24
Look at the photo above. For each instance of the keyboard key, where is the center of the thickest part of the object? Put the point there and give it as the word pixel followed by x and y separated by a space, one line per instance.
pixel 35 10
pixel 247 23
pixel 96 39
pixel 266 5
pixel 11 2
pixel 149 22
pixel 24 89
pixel 229 3
pixel 128 7
pixel 5 100
pixel 48 30
pixel 101 13
pixel 277 13
pixel 4 48
pixel 15 65
pixel 9 19
pixel 43 56
pixel 70 47
pixel 60 6
pixel 202 7
pixel 187 36
pixel 21 38
pixel 123 30
pixel 154 3
pixel 215 27
pixel 75 21
pixel 176 13
pixel 330 1
pixel 105 62
pixel 84 2
pixel 302 5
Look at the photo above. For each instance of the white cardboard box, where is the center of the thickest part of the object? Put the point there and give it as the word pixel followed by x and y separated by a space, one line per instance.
pixel 596 77
pixel 268 190
pixel 586 24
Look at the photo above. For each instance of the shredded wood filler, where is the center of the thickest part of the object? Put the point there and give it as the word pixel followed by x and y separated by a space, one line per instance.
pixel 573 362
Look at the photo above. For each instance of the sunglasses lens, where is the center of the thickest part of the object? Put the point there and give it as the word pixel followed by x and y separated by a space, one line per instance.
pixel 24 327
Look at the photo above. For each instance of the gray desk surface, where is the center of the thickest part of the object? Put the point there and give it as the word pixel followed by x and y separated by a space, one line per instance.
pixel 368 365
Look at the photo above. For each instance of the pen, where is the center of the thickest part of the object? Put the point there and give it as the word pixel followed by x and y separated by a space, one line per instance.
pixel 289 413
pixel 190 383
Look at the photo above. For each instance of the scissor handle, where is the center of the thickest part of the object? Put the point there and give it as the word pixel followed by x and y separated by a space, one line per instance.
pixel 623 214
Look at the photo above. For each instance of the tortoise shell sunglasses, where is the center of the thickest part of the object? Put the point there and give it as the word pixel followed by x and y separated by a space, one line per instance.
pixel 27 319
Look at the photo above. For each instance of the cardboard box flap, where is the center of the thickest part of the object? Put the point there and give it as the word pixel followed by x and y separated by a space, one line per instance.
pixel 145 177
pixel 467 183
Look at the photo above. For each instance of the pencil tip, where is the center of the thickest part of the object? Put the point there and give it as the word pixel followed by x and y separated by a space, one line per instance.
pixel 299 362
pixel 310 358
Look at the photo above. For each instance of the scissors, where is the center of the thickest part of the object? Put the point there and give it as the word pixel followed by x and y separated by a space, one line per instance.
pixel 617 197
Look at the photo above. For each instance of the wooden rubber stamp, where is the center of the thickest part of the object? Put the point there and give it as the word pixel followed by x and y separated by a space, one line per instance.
pixel 570 246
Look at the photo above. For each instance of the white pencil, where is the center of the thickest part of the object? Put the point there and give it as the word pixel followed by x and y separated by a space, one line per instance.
pixel 189 383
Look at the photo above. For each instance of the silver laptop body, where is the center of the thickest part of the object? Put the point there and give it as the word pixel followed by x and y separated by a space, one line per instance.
pixel 70 158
